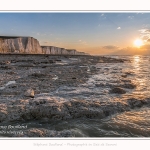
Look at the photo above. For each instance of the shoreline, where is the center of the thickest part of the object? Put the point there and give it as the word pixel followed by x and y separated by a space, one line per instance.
pixel 30 89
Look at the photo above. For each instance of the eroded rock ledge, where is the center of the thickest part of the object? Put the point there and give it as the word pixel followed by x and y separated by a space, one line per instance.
pixel 63 109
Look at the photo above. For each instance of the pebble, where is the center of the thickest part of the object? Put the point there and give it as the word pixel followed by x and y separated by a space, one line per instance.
pixel 29 93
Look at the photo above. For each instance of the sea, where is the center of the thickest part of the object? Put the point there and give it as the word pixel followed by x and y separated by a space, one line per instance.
pixel 134 123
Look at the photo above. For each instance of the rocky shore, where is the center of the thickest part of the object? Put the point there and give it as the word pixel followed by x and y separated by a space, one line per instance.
pixel 29 90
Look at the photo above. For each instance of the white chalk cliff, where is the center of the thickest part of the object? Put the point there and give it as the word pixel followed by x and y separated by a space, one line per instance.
pixel 60 51
pixel 30 45
pixel 19 45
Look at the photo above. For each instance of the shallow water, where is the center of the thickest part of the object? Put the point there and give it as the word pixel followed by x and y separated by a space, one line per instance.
pixel 134 123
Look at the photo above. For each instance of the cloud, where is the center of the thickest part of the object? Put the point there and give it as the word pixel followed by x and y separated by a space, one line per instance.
pixel 145 37
pixel 111 47
pixel 145 34
pixel 144 31
pixel 118 28
pixel 148 40
pixel 41 34
pixel 82 42
pixel 102 14
pixel 130 17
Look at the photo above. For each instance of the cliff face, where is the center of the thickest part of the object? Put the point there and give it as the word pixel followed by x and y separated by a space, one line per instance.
pixel 20 45
pixel 60 51
pixel 30 45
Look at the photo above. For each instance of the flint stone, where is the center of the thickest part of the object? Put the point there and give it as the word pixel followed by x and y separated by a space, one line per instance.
pixel 29 93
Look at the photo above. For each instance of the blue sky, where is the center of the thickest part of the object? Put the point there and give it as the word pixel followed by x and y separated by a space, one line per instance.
pixel 95 33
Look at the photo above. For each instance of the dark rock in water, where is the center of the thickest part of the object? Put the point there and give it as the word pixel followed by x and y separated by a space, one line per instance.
pixel 44 66
pixel 11 72
pixel 38 75
pixel 100 85
pixel 135 102
pixel 12 86
pixel 129 86
pixel 118 90
pixel 124 75
pixel 6 67
pixel 44 120
pixel 51 61
pixel 129 73
pixel 126 80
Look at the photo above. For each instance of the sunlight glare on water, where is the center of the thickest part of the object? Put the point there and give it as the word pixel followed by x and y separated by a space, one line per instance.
pixel 135 122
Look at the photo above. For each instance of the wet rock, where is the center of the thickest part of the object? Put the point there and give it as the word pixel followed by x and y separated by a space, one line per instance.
pixel 12 86
pixel 6 67
pixel 26 65
pixel 43 66
pixel 51 61
pixel 3 112
pixel 7 62
pixel 117 90
pixel 11 72
pixel 13 61
pixel 124 75
pixel 53 108
pixel 29 93
pixel 44 61
pixel 10 83
pixel 65 133
pixel 135 102
pixel 101 61
pixel 126 80
pixel 37 75
pixel 34 132
pixel 2 88
pixel 44 120
pixel 129 86
pixel 129 73
pixel 100 85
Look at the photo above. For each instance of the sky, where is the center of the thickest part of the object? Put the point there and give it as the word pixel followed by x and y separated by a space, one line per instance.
pixel 102 33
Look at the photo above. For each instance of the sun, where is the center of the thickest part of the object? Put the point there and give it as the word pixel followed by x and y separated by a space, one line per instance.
pixel 138 42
